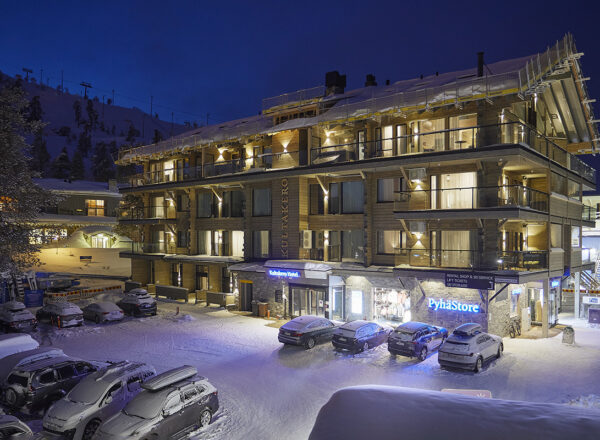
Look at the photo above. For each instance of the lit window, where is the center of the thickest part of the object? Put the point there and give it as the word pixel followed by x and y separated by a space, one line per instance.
pixel 357 301
pixel 95 207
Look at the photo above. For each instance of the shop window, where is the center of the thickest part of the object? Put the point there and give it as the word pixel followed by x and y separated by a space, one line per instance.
pixel 204 243
pixel 317 200
pixel 357 302
pixel 261 244
pixel 261 202
pixel 204 204
pixel 462 134
pixel 391 242
pixel 386 188
pixel 95 207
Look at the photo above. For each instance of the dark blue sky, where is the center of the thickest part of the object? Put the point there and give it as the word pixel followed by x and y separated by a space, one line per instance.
pixel 223 57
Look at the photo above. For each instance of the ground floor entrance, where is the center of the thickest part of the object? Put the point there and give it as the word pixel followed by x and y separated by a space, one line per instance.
pixel 305 300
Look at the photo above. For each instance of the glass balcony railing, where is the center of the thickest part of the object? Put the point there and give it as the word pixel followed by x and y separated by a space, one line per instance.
pixel 148 213
pixel 589 213
pixel 523 260
pixel 505 196
pixel 153 248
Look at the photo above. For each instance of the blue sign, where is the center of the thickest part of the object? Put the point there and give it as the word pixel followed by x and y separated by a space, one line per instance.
pixel 555 283
pixel 440 304
pixel 285 273
pixel 516 291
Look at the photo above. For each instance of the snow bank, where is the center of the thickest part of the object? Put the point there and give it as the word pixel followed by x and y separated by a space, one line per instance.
pixel 397 413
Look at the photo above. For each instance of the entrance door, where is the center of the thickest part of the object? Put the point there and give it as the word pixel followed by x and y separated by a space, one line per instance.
pixel 246 295
pixel 337 303
pixel 307 301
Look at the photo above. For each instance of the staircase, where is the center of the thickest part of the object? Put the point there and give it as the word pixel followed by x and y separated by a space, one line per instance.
pixel 591 280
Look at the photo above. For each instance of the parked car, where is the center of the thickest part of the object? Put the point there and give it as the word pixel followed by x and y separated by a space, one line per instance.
pixel 359 336
pixel 16 343
pixel 34 386
pixel 102 312
pixel 61 314
pixel 468 347
pixel 306 330
pixel 96 398
pixel 15 317
pixel 12 428
pixel 10 362
pixel 171 405
pixel 416 339
pixel 137 302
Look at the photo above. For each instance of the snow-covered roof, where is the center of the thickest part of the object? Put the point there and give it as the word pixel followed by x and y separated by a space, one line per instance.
pixel 76 219
pixel 84 187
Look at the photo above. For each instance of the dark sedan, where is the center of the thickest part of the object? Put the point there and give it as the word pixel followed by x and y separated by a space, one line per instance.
pixel 306 330
pixel 416 339
pixel 359 336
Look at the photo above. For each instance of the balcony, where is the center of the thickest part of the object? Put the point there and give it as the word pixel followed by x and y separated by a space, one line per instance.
pixel 471 259
pixel 148 214
pixel 589 213
pixel 153 248
pixel 413 204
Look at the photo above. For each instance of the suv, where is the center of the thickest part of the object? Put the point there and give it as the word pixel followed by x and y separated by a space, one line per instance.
pixel 468 347
pixel 96 398
pixel 306 330
pixel 137 302
pixel 12 428
pixel 172 405
pixel 14 317
pixel 34 386
pixel 61 314
pixel 416 339
pixel 359 335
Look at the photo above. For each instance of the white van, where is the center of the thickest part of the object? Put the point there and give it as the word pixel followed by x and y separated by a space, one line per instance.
pixel 16 343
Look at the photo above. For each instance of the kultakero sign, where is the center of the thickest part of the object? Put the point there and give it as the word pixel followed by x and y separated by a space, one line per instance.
pixel 469 280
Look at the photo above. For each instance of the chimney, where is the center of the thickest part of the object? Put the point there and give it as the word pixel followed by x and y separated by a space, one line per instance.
pixel 370 80
pixel 479 64
pixel 112 185
pixel 334 83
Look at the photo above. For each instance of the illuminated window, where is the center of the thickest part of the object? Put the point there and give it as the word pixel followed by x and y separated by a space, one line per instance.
pixel 95 207
pixel 357 302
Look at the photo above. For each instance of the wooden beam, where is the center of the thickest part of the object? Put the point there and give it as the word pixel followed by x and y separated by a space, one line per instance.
pixel 403 223
pixel 322 184
pixel 579 147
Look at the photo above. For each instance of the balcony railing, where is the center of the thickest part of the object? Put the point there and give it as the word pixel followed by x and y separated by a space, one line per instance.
pixel 153 248
pixel 505 196
pixel 471 259
pixel 589 213
pixel 148 213
pixel 411 144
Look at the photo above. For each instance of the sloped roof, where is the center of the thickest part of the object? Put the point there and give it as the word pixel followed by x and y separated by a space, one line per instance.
pixel 76 186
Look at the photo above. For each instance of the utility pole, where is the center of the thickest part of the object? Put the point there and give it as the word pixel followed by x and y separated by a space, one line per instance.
pixel 27 72
pixel 85 85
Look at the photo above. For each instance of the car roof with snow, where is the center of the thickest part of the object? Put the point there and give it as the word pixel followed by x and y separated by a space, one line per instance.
pixel 172 377
pixel 65 305
pixel 13 305
pixel 116 371
pixel 412 326
pixel 355 325
pixel 104 305
pixel 467 330
pixel 305 319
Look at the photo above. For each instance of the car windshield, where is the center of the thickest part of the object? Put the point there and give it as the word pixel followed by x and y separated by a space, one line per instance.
pixel 405 335
pixel 146 405
pixel 87 391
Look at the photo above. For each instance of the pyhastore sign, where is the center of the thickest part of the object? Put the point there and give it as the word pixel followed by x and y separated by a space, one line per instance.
pixel 469 280
pixel 452 305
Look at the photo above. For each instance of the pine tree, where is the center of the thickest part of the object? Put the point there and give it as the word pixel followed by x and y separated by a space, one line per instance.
pixel 132 133
pixel 102 163
pixel 61 166
pixel 40 158
pixel 84 143
pixel 92 114
pixel 77 109
pixel 77 166
pixel 158 136
pixel 35 110
pixel 21 200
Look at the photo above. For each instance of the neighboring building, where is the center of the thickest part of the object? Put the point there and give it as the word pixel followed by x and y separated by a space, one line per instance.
pixel 449 198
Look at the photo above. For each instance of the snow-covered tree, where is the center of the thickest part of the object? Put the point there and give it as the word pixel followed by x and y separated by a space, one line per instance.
pixel 77 109
pixel 61 166
pixel 35 109
pixel 77 166
pixel 20 199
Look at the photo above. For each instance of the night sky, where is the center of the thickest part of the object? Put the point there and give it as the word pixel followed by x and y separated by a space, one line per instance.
pixel 223 57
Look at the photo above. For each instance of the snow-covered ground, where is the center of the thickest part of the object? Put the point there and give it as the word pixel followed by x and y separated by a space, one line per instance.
pixel 269 391
pixel 66 259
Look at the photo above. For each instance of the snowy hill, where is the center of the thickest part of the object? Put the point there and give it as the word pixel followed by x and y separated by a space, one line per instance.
pixel 111 125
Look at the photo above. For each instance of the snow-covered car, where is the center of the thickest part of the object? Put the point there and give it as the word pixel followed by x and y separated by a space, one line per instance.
pixel 137 302
pixel 34 386
pixel 12 428
pixel 359 336
pixel 416 339
pixel 16 343
pixel 96 398
pixel 61 314
pixel 306 330
pixel 171 405
pixel 102 312
pixel 15 317
pixel 468 347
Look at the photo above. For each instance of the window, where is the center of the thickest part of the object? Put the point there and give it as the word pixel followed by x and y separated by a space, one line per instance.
pixel 261 244
pixel 334 198
pixel 456 249
pixel 430 142
pixel 204 243
pixel 558 183
pixel 204 205
pixel 261 202
pixel 463 135
pixel 390 242
pixel 353 247
pixel 173 404
pixel 457 191
pixel 220 243
pixel 47 377
pixel 158 207
pixel 176 274
pixel 66 372
pixel 388 141
pixel 238 203
pixel 237 243
pixel 225 280
pixel 386 188
pixel 350 201
pixel 574 188
pixel 201 277
pixel 183 203
pixel 95 207
pixel 183 238
pixel 190 395
pixel 575 234
pixel 317 200
pixel 556 236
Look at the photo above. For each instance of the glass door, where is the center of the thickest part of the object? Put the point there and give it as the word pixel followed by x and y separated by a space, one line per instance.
pixel 307 301
pixel 337 303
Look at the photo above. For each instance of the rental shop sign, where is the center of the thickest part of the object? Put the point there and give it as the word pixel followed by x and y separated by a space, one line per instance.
pixel 452 305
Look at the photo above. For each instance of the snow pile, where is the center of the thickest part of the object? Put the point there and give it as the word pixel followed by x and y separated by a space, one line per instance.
pixel 181 318
pixel 396 413
pixel 590 401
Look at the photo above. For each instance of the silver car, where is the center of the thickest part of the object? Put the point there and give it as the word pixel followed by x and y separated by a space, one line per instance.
pixel 172 405
pixel 61 314
pixel 15 317
pixel 96 398
pixel 103 312
pixel 468 347
pixel 12 428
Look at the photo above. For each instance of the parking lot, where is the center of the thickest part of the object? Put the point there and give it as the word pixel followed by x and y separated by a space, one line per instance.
pixel 269 391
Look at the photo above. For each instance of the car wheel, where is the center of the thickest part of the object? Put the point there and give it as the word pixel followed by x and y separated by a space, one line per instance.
pixel 423 354
pixel 478 364
pixel 11 397
pixel 500 350
pixel 205 418
pixel 97 319
pixel 90 429
pixel 365 346
pixel 310 343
